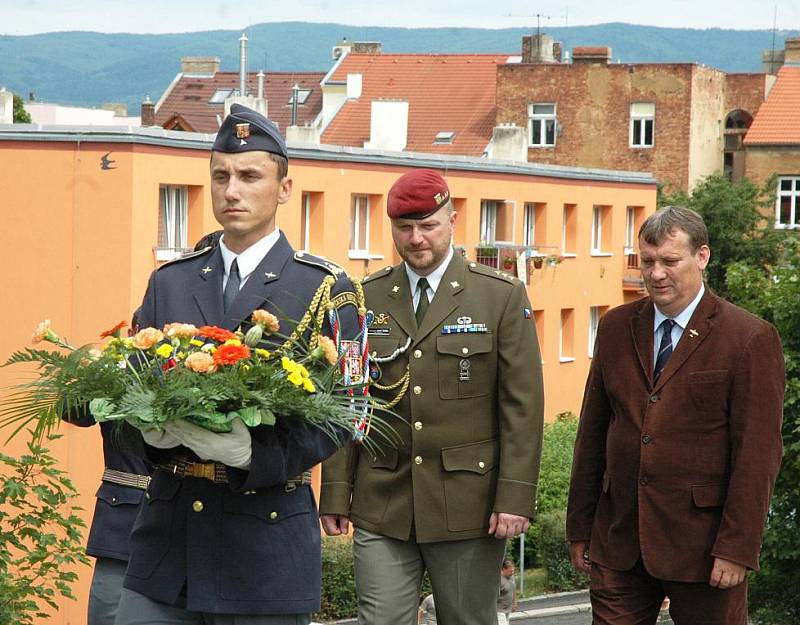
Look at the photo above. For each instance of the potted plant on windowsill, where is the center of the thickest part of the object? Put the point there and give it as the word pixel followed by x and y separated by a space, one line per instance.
pixel 538 261
pixel 553 260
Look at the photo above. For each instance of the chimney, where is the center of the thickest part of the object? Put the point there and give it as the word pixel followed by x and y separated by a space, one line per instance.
pixel 119 109
pixel 366 47
pixel 388 125
pixel 243 65
pixel 792 51
pixel 538 49
pixel 6 106
pixel 354 83
pixel 148 112
pixel 295 92
pixel 771 61
pixel 509 143
pixel 591 54
pixel 200 65
pixel 261 84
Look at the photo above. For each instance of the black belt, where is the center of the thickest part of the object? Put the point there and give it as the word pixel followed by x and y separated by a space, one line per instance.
pixel 216 472
pixel 134 480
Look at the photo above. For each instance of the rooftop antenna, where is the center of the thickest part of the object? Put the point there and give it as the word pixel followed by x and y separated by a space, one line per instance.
pixel 539 16
pixel 566 16
pixel 774 28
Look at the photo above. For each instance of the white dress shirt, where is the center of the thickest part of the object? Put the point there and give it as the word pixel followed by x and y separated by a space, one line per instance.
pixel 249 259
pixel 434 278
pixel 681 320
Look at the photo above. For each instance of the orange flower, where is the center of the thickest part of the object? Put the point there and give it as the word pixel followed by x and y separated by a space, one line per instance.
pixel 146 338
pixel 42 332
pixel 200 362
pixel 268 322
pixel 329 350
pixel 180 330
pixel 218 334
pixel 115 331
pixel 231 354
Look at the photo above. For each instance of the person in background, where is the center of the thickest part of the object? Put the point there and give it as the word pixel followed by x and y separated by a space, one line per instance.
pixel 507 599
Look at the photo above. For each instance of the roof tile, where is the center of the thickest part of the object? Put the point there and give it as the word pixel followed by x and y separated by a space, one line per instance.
pixel 778 119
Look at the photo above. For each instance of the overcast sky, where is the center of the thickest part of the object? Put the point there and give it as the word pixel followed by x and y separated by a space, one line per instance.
pixel 24 17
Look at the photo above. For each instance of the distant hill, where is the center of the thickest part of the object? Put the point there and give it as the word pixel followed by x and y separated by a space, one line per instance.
pixel 87 68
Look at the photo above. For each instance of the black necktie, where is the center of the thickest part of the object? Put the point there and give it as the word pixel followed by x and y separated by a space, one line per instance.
pixel 664 349
pixel 422 304
pixel 232 286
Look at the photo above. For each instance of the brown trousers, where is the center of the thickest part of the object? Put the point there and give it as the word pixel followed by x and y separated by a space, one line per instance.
pixel 634 597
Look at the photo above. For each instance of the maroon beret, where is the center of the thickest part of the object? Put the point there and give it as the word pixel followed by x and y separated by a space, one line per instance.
pixel 417 195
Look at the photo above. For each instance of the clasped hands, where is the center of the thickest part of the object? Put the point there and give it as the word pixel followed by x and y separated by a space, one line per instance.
pixel 233 448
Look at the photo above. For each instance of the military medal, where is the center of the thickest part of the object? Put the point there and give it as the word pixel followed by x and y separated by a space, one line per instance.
pixel 463 370
pixel 463 326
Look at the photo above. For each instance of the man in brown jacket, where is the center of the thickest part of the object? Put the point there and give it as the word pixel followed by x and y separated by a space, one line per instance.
pixel 455 353
pixel 679 442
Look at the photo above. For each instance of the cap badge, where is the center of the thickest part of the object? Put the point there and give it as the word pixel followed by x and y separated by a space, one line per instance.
pixel 242 132
pixel 441 198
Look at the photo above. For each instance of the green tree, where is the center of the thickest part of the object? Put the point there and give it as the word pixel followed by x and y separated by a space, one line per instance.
pixel 774 295
pixel 40 535
pixel 739 217
pixel 21 116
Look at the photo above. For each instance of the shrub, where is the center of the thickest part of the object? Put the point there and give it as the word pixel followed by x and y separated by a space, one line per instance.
pixel 40 535
pixel 338 581
pixel 554 553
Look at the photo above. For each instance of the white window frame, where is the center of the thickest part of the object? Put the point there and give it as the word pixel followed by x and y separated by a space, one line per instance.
pixel 562 357
pixel 793 196
pixel 305 221
pixel 488 221
pixel 173 219
pixel 630 234
pixel 359 212
pixel 597 229
pixel 594 322
pixel 642 115
pixel 529 224
pixel 542 120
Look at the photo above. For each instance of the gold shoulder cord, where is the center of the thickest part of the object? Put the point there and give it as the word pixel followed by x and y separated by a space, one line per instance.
pixel 403 383
pixel 316 311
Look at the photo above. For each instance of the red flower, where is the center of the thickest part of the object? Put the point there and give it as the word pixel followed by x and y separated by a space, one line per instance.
pixel 113 331
pixel 231 354
pixel 170 364
pixel 218 334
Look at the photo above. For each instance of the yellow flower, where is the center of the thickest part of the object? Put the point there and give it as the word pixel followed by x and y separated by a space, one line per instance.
pixel 263 353
pixel 165 351
pixel 288 364
pixel 308 385
pixel 181 355
pixel 295 378
pixel 232 342
pixel 196 343
pixel 209 348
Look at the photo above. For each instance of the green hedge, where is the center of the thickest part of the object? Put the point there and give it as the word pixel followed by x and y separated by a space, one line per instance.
pixel 554 553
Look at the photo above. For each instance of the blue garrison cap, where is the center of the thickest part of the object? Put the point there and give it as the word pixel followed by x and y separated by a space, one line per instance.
pixel 246 130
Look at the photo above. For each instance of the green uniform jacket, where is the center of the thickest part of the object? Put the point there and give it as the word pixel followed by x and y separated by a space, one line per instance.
pixel 472 413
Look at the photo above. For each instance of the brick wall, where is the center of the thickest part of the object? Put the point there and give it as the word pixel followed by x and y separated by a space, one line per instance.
pixel 763 162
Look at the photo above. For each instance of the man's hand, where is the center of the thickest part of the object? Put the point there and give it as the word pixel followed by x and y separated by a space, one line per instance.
pixel 726 574
pixel 232 448
pixel 504 525
pixel 579 555
pixel 160 439
pixel 335 524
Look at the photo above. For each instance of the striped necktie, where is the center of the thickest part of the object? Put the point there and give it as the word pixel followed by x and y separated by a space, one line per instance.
pixel 664 349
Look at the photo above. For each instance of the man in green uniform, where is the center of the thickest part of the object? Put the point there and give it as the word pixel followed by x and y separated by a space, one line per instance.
pixel 454 353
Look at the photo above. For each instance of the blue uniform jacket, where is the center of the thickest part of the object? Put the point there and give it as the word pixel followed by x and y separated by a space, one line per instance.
pixel 117 505
pixel 254 546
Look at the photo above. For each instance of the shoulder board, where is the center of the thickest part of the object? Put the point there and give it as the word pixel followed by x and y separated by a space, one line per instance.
pixel 186 256
pixel 491 272
pixel 381 273
pixel 319 263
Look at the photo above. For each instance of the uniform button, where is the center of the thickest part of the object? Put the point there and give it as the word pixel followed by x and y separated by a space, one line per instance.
pixel 481 464
pixel 418 425
pixel 197 506
pixel 147 495
pixel 418 460
pixel 273 515
pixel 654 399
pixel 113 500
pixel 473 265
pixel 465 350
pixel 417 390
pixel 417 353
pixel 643 481
pixel 646 439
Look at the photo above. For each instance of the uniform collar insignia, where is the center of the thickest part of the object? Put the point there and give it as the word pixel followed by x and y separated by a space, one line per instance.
pixel 207 269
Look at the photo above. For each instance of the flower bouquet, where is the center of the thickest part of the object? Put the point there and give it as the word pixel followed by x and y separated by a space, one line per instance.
pixel 206 375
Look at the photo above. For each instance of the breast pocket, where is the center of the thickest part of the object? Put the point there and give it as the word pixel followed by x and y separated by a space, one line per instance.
pixel 466 365
pixel 709 390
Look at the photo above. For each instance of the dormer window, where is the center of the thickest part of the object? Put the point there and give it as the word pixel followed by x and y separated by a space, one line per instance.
pixel 444 138
pixel 220 95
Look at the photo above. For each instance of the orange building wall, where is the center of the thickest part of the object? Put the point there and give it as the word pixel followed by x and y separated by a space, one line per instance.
pixel 79 248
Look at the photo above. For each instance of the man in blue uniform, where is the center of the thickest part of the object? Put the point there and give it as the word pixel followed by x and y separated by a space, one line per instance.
pixel 228 532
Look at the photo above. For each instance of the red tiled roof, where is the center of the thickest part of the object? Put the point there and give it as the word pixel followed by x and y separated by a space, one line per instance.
pixel 190 95
pixel 445 93
pixel 778 119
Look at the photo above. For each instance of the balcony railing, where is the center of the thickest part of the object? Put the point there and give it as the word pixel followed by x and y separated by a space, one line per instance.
pixel 632 276
pixel 503 257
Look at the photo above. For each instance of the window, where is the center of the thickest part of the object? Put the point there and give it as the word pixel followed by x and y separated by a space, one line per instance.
pixel 567 338
pixel 529 224
pixel 173 221
pixel 643 115
pixel 630 229
pixel 601 230
pixel 569 230
pixel 595 314
pixel 302 96
pixel 444 137
pixel 305 222
pixel 220 95
pixel 787 209
pixel 359 224
pixel 488 220
pixel 542 124
pixel 312 218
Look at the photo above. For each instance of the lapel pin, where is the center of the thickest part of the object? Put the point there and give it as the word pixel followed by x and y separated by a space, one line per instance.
pixel 269 274
pixel 207 269
pixel 454 284
pixel 395 289
pixel 693 333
